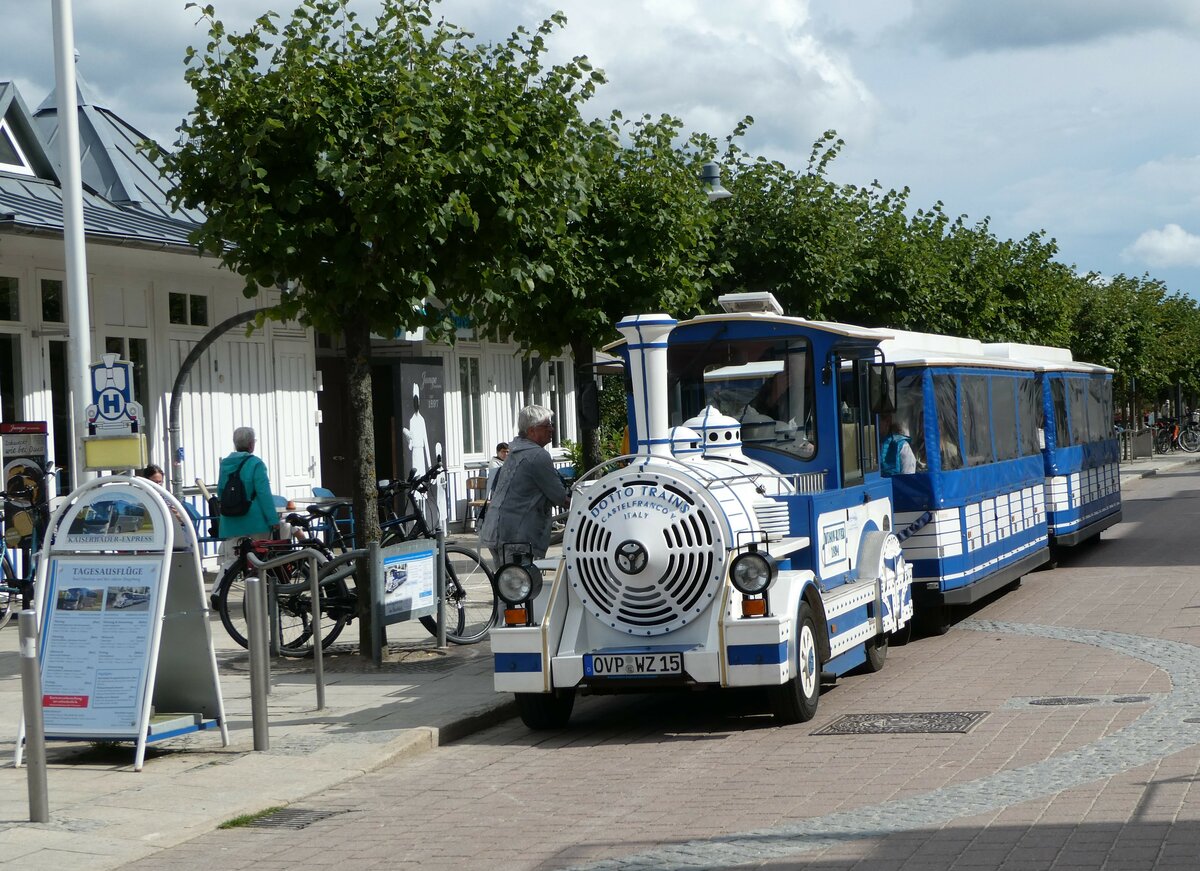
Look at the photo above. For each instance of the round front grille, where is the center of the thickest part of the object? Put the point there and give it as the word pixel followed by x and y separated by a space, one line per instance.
pixel 644 554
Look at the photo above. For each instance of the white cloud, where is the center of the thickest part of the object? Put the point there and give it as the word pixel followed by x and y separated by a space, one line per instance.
pixel 1170 246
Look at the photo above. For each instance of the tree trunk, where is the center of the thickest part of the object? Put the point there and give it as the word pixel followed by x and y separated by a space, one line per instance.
pixel 362 458
pixel 589 436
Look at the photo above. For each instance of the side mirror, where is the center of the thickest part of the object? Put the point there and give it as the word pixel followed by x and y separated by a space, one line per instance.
pixel 882 387
pixel 587 397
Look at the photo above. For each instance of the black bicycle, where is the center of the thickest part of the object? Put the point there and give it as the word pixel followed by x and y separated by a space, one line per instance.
pixel 470 600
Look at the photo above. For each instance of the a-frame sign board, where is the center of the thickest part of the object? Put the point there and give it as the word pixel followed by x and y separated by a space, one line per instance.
pixel 124 642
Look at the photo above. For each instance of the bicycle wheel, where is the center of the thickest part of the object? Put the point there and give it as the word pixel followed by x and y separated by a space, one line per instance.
pixel 293 625
pixel 1189 440
pixel 469 586
pixel 10 592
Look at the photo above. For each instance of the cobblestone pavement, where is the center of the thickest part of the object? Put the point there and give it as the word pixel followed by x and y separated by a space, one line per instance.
pixel 1087 756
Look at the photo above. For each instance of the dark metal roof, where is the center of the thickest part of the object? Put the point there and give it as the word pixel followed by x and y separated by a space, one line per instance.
pixel 125 197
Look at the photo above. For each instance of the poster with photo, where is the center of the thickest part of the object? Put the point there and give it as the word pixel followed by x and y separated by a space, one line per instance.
pixel 23 453
pixel 96 640
pixel 409 584
pixel 420 403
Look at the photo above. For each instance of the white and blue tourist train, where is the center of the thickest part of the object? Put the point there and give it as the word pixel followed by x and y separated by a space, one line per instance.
pixel 755 539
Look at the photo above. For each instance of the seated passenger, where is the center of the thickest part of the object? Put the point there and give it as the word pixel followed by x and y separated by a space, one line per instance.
pixel 896 454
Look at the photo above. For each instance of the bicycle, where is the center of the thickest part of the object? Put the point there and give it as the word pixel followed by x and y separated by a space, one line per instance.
pixel 25 524
pixel 470 600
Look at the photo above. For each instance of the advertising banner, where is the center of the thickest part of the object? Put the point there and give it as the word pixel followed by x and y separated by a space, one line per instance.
pixel 420 394
pixel 23 450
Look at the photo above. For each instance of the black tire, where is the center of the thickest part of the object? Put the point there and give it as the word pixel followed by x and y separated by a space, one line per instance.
pixel 294 627
pixel 546 710
pixel 933 620
pixel 796 700
pixel 10 591
pixel 877 649
pixel 1189 440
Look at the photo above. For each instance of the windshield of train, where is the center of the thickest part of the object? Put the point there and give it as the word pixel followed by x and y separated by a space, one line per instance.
pixel 767 384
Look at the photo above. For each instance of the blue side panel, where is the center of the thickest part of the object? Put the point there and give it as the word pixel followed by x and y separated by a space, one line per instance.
pixel 757 654
pixel 507 663
pixel 851 659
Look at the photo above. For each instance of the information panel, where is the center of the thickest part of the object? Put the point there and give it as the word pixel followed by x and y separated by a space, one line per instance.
pixel 97 638
pixel 409 580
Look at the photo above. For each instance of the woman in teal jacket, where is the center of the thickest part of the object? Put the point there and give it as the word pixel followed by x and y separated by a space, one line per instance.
pixel 257 522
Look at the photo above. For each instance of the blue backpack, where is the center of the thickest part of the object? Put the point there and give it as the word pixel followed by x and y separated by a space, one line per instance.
pixel 889 462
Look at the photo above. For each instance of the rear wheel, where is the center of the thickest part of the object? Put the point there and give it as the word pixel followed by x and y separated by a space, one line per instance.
pixel 1189 440
pixel 877 649
pixel 293 626
pixel 796 701
pixel 546 710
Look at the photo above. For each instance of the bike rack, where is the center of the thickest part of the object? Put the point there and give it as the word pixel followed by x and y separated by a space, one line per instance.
pixel 316 562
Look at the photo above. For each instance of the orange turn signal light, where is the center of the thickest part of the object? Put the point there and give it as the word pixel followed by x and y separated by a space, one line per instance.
pixel 515 617
pixel 754 607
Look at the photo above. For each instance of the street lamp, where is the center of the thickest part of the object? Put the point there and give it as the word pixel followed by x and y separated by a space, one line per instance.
pixel 710 178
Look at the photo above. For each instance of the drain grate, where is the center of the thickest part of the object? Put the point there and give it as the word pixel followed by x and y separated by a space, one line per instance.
pixel 896 724
pixel 1056 701
pixel 291 818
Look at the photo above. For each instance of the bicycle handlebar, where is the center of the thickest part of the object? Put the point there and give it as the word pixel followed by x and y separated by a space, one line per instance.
pixel 421 484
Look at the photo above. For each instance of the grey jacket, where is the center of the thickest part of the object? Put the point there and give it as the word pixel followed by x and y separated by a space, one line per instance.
pixel 525 490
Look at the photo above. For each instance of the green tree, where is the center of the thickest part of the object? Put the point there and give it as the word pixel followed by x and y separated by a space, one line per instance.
pixel 643 244
pixel 391 174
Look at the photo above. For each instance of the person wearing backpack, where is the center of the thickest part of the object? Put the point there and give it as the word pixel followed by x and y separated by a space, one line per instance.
pixel 896 455
pixel 244 493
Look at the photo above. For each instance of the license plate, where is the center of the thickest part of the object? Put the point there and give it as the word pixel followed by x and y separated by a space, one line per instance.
pixel 632 664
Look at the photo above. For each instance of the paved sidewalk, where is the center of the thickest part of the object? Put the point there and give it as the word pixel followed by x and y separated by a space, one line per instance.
pixel 104 815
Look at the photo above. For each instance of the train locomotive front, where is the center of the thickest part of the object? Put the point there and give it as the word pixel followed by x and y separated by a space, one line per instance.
pixel 688 565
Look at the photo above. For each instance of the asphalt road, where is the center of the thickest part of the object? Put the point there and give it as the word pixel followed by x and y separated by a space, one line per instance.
pixel 1078 696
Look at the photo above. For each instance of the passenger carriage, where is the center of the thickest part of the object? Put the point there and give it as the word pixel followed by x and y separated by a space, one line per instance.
pixel 1081 451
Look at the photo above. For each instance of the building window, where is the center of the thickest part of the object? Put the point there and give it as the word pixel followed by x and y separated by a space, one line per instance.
pixel 472 404
pixel 52 301
pixel 10 377
pixel 10 300
pixel 11 157
pixel 189 309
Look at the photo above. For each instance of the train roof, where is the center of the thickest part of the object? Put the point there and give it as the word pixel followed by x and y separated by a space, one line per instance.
pixel 849 331
pixel 929 349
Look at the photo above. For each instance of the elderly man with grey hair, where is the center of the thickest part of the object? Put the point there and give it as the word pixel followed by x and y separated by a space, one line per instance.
pixel 525 491
pixel 257 522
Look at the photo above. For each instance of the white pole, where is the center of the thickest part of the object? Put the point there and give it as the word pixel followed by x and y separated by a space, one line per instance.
pixel 79 349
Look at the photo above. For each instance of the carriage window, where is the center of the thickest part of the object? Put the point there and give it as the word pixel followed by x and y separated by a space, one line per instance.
pixel 1029 394
pixel 976 422
pixel 1099 410
pixel 945 396
pixel 1004 417
pixel 767 384
pixel 910 403
pixel 1077 402
pixel 1058 398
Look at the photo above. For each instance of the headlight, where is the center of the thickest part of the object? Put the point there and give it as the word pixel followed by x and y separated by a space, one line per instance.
pixel 517 584
pixel 752 572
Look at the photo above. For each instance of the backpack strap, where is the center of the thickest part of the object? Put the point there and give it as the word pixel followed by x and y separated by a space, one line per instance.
pixel 238 472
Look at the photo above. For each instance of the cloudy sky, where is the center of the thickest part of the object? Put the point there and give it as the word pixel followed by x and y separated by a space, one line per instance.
pixel 1073 116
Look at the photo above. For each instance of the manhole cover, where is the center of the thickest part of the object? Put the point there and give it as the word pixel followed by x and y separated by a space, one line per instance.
pixel 892 724
pixel 290 818
pixel 1065 700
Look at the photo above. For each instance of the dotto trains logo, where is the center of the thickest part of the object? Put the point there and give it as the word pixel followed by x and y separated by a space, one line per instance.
pixel 639 502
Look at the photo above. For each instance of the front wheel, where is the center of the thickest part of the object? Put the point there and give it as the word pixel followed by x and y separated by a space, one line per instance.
pixel 796 700
pixel 546 710
pixel 470 597
pixel 1189 440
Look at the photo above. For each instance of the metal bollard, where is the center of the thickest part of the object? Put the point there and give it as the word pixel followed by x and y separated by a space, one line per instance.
pixel 35 730
pixel 259 677
pixel 318 653
pixel 440 582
